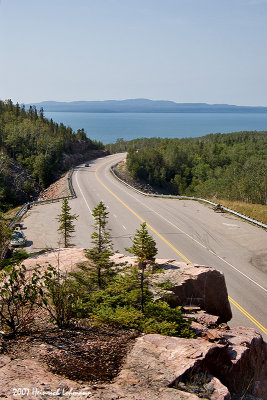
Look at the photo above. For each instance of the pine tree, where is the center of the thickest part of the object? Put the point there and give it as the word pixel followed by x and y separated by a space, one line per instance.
pixel 66 226
pixel 144 248
pixel 41 114
pixel 101 240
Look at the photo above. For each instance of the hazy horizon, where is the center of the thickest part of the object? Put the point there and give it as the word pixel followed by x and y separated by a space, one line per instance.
pixel 141 98
pixel 187 51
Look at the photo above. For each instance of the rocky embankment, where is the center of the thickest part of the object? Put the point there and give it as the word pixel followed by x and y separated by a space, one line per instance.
pixel 60 188
pixel 218 364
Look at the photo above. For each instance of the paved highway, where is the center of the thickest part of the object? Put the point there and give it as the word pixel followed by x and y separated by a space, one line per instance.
pixel 184 230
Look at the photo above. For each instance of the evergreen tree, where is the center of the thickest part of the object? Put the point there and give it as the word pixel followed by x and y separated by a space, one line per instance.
pixel 65 220
pixel 41 114
pixel 101 240
pixel 144 248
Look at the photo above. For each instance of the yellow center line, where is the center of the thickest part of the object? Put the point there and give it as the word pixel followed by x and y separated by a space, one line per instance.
pixel 141 219
pixel 252 319
pixel 242 310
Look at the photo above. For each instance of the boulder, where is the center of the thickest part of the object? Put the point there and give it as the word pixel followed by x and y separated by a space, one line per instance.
pixel 196 285
pixel 190 285
pixel 169 368
pixel 156 366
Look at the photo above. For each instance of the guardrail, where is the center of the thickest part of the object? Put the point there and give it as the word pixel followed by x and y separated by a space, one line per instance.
pixel 22 211
pixel 26 206
pixel 114 173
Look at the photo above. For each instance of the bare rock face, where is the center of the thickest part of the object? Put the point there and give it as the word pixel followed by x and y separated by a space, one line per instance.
pixel 65 259
pixel 168 368
pixel 248 368
pixel 197 285
pixel 221 364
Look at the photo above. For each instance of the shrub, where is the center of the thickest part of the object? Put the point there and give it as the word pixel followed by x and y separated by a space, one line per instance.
pixel 18 295
pixel 163 319
pixel 16 258
pixel 126 316
pixel 60 296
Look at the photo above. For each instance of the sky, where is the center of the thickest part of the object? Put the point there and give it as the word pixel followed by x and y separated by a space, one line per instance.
pixel 189 51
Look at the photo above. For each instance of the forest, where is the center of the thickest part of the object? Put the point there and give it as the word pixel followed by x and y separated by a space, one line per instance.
pixel 225 166
pixel 31 151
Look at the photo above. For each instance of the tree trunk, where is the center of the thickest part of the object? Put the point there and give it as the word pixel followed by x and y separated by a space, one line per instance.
pixel 142 287
pixel 99 278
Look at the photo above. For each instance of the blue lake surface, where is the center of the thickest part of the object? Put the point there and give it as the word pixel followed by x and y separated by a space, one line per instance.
pixel 108 127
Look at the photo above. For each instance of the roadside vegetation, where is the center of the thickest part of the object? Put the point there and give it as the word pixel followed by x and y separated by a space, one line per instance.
pixel 228 167
pixel 97 291
pixel 32 151
pixel 254 211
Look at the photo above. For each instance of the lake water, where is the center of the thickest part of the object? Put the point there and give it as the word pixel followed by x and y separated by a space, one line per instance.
pixel 107 127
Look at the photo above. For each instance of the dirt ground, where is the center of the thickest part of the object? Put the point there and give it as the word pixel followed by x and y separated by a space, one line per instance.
pixel 75 359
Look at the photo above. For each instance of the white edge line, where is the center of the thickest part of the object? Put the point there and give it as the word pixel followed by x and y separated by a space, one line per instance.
pixel 76 178
pixel 226 262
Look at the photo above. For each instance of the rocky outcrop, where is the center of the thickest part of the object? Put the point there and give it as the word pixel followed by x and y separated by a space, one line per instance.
pixel 65 259
pixel 196 285
pixel 60 188
pixel 219 364
pixel 176 368
pixel 80 154
pixel 190 285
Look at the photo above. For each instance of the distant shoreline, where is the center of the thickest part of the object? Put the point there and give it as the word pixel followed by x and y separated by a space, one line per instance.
pixel 160 112
pixel 144 106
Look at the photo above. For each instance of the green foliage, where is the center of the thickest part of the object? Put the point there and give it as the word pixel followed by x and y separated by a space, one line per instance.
pixel 225 166
pixel 118 303
pixel 127 316
pixel 59 296
pixel 66 226
pixel 161 318
pixel 27 188
pixel 123 289
pixel 144 248
pixel 37 144
pixel 66 298
pixel 102 245
pixel 16 258
pixel 136 144
pixel 19 291
pixel 166 285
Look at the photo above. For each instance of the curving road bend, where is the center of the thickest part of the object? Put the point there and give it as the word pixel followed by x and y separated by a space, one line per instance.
pixel 184 230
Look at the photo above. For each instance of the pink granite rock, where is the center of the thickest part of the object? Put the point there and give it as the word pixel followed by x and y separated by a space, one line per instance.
pixel 169 368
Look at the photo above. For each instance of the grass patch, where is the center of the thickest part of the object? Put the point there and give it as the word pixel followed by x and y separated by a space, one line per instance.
pixel 10 214
pixel 198 384
pixel 255 211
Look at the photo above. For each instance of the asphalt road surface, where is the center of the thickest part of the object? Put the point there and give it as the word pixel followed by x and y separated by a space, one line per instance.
pixel 183 229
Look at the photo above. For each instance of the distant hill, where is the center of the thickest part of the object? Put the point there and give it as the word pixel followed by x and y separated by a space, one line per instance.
pixel 144 106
